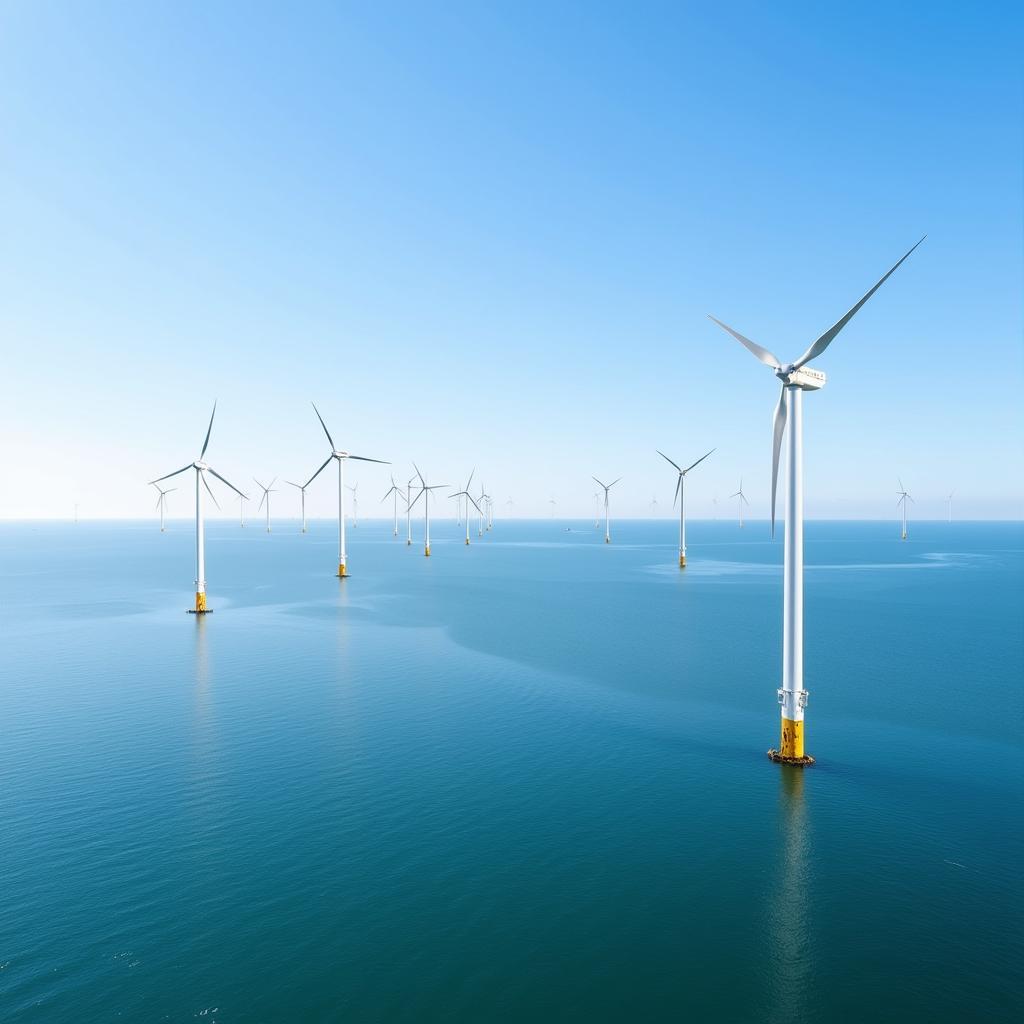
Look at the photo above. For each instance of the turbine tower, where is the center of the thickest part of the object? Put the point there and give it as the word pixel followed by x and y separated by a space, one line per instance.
pixel 242 499
pixel 267 492
pixel 342 458
pixel 607 518
pixel 681 498
pixel 408 512
pixel 355 505
pixel 742 501
pixel 425 490
pixel 597 509
pixel 795 379
pixel 201 468
pixel 161 501
pixel 301 488
pixel 396 491
pixel 904 497
pixel 469 501
pixel 949 501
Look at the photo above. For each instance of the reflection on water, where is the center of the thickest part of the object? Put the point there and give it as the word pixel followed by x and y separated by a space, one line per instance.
pixel 789 940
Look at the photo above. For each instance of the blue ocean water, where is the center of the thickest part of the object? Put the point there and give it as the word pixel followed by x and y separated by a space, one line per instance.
pixel 520 780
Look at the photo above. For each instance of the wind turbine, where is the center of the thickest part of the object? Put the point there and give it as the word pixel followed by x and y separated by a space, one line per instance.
pixel 341 458
pixel 469 501
pixel 742 501
pixel 681 498
pixel 795 379
pixel 607 488
pixel 597 509
pixel 355 505
pixel 654 506
pixel 902 503
pixel 949 500
pixel 160 502
pixel 302 491
pixel 267 492
pixel 425 490
pixel 395 490
pixel 552 503
pixel 242 499
pixel 408 512
pixel 201 468
pixel 479 508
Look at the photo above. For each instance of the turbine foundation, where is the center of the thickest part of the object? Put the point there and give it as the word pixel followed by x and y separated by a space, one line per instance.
pixel 200 608
pixel 682 560
pixel 792 745
pixel 342 571
pixel 426 551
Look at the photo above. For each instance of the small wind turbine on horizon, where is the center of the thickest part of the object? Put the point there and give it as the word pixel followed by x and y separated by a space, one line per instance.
pixel 902 504
pixel 607 514
pixel 680 496
pixel 796 378
pixel 355 505
pixel 408 512
pixel 469 501
pixel 242 499
pixel 301 488
pixel 949 500
pixel 742 501
pixel 396 491
pixel 654 505
pixel 267 492
pixel 161 501
pixel 424 493
pixel 201 468
pixel 554 505
pixel 597 509
pixel 341 457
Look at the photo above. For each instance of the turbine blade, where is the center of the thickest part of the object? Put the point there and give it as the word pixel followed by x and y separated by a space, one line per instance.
pixel 761 353
pixel 210 469
pixel 210 492
pixel 598 482
pixel 667 459
pixel 417 498
pixel 208 429
pixel 320 470
pixel 169 475
pixel 779 430
pixel 363 458
pixel 679 486
pixel 158 500
pixel 698 462
pixel 324 425
pixel 470 480
pixel 826 339
pixel 614 482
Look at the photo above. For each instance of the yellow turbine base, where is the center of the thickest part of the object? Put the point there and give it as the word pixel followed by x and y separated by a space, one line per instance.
pixel 792 746
pixel 467 540
pixel 200 603
pixel 682 561
pixel 342 571
pixel 426 550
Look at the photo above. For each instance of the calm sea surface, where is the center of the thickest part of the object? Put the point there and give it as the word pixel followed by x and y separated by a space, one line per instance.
pixel 520 781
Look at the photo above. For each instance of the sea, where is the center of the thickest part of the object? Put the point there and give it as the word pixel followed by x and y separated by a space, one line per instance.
pixel 523 780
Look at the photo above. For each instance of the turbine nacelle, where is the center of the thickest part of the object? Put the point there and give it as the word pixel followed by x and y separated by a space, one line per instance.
pixel 802 377
pixel 200 465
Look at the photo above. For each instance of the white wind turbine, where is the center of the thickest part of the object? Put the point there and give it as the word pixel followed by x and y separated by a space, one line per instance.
pixel 654 506
pixel 597 509
pixel 681 498
pixel 607 518
pixel 469 501
pixel 795 379
pixel 201 468
pixel 396 491
pixel 741 502
pixel 301 488
pixel 161 502
pixel 408 512
pixel 355 505
pixel 949 500
pixel 424 493
pixel 904 497
pixel 553 504
pixel 342 458
pixel 480 508
pixel 267 492
pixel 242 499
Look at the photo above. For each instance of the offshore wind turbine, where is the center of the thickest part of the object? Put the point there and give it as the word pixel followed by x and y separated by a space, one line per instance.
pixel 161 501
pixel 302 491
pixel 795 379
pixel 902 503
pixel 469 501
pixel 742 501
pixel 597 509
pixel 355 505
pixel 267 492
pixel 607 518
pixel 341 457
pixel 408 512
pixel 242 499
pixel 201 468
pixel 425 490
pixel 396 491
pixel 949 500
pixel 681 498
pixel 553 504
pixel 479 508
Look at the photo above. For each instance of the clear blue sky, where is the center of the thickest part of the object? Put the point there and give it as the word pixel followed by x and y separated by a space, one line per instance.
pixel 488 235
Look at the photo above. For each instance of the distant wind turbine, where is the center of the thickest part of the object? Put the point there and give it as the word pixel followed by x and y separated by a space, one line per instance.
pixel 396 491
pixel 795 378
pixel 424 493
pixel 408 512
pixel 904 497
pixel 341 457
pixel 949 499
pixel 553 504
pixel 201 468
pixel 469 501
pixel 654 505
pixel 597 509
pixel 301 488
pixel 242 499
pixel 355 505
pixel 681 498
pixel 607 514
pixel 267 492
pixel 742 501
pixel 161 501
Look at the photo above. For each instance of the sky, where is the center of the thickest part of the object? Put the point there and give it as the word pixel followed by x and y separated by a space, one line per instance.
pixel 489 235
